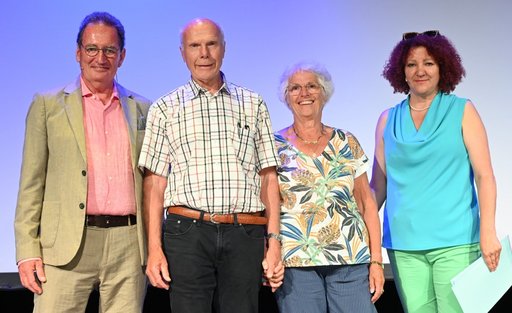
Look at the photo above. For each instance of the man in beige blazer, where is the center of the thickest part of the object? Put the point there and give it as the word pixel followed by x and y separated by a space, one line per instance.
pixel 78 222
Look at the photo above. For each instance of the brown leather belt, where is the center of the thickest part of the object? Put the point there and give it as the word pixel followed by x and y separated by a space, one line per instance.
pixel 107 221
pixel 240 218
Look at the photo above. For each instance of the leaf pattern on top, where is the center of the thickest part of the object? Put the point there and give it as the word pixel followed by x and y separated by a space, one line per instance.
pixel 320 221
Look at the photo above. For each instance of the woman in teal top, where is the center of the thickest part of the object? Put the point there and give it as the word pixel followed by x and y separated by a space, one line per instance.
pixel 430 151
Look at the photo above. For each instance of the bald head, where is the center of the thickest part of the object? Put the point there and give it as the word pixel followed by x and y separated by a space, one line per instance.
pixel 201 22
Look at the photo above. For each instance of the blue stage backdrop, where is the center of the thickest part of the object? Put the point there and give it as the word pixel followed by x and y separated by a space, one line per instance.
pixel 352 38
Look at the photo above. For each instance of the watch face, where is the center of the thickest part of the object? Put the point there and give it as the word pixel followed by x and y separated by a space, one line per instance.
pixel 277 237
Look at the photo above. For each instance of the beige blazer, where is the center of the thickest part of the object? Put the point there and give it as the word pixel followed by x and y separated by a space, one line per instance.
pixel 52 197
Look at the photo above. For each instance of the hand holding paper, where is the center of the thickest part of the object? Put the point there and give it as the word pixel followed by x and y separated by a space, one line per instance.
pixel 477 289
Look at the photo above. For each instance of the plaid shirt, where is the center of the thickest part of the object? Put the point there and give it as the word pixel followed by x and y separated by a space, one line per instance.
pixel 210 147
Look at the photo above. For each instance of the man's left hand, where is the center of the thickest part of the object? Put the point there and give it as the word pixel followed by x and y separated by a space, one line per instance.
pixel 273 269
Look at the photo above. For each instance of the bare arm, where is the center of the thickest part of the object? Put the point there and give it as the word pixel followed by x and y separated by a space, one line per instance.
pixel 378 182
pixel 366 203
pixel 157 267
pixel 475 140
pixel 272 264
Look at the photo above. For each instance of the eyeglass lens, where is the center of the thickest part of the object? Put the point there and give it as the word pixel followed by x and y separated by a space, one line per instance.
pixel 94 50
pixel 296 89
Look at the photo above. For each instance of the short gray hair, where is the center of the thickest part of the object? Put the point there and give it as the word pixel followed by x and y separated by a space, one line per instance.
pixel 321 73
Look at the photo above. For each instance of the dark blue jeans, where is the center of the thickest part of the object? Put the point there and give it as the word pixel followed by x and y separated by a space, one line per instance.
pixel 215 265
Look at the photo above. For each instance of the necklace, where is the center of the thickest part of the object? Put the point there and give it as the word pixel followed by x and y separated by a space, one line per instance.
pixel 419 110
pixel 309 142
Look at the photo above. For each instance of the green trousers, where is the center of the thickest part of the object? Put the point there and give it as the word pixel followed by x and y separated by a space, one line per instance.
pixel 422 278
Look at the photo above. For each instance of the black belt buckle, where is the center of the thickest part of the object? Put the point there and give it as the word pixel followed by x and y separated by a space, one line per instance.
pixel 106 221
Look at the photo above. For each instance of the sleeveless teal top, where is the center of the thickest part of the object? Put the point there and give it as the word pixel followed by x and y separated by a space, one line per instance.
pixel 431 199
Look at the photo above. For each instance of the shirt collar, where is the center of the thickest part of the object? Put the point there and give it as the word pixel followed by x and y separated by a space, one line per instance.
pixel 86 92
pixel 198 90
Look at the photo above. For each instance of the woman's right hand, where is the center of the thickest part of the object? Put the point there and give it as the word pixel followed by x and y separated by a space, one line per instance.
pixel 376 279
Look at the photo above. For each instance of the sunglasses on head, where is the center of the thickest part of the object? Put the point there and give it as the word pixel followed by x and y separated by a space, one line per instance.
pixel 429 33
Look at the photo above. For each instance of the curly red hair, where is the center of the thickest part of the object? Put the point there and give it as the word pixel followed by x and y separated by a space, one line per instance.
pixel 440 48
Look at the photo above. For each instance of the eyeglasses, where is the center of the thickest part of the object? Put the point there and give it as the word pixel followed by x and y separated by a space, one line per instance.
pixel 429 33
pixel 295 89
pixel 92 51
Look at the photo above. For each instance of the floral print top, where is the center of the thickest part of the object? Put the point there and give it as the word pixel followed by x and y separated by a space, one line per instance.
pixel 320 221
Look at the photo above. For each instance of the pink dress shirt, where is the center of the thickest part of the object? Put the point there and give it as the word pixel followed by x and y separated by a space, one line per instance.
pixel 110 185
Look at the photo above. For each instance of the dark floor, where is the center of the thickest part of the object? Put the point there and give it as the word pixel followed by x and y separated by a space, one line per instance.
pixel 157 301
pixel 20 300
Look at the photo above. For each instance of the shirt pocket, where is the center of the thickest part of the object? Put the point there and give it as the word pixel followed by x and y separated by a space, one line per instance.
pixel 244 144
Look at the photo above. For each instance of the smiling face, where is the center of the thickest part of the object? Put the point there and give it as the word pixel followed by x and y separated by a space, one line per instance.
pixel 304 96
pixel 202 49
pixel 99 70
pixel 421 73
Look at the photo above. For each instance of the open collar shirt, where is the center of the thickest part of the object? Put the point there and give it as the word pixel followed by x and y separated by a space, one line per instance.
pixel 211 147
pixel 110 185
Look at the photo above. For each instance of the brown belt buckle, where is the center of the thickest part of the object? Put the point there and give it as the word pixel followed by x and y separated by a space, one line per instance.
pixel 212 218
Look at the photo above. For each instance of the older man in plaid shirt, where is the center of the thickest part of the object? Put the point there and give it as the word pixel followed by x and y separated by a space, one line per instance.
pixel 210 161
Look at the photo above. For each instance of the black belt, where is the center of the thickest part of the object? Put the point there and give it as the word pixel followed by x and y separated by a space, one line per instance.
pixel 106 221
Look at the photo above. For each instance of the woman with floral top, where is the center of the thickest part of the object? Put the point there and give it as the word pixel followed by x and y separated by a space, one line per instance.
pixel 330 228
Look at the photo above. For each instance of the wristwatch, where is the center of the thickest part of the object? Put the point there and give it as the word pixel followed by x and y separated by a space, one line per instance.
pixel 277 237
pixel 377 263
